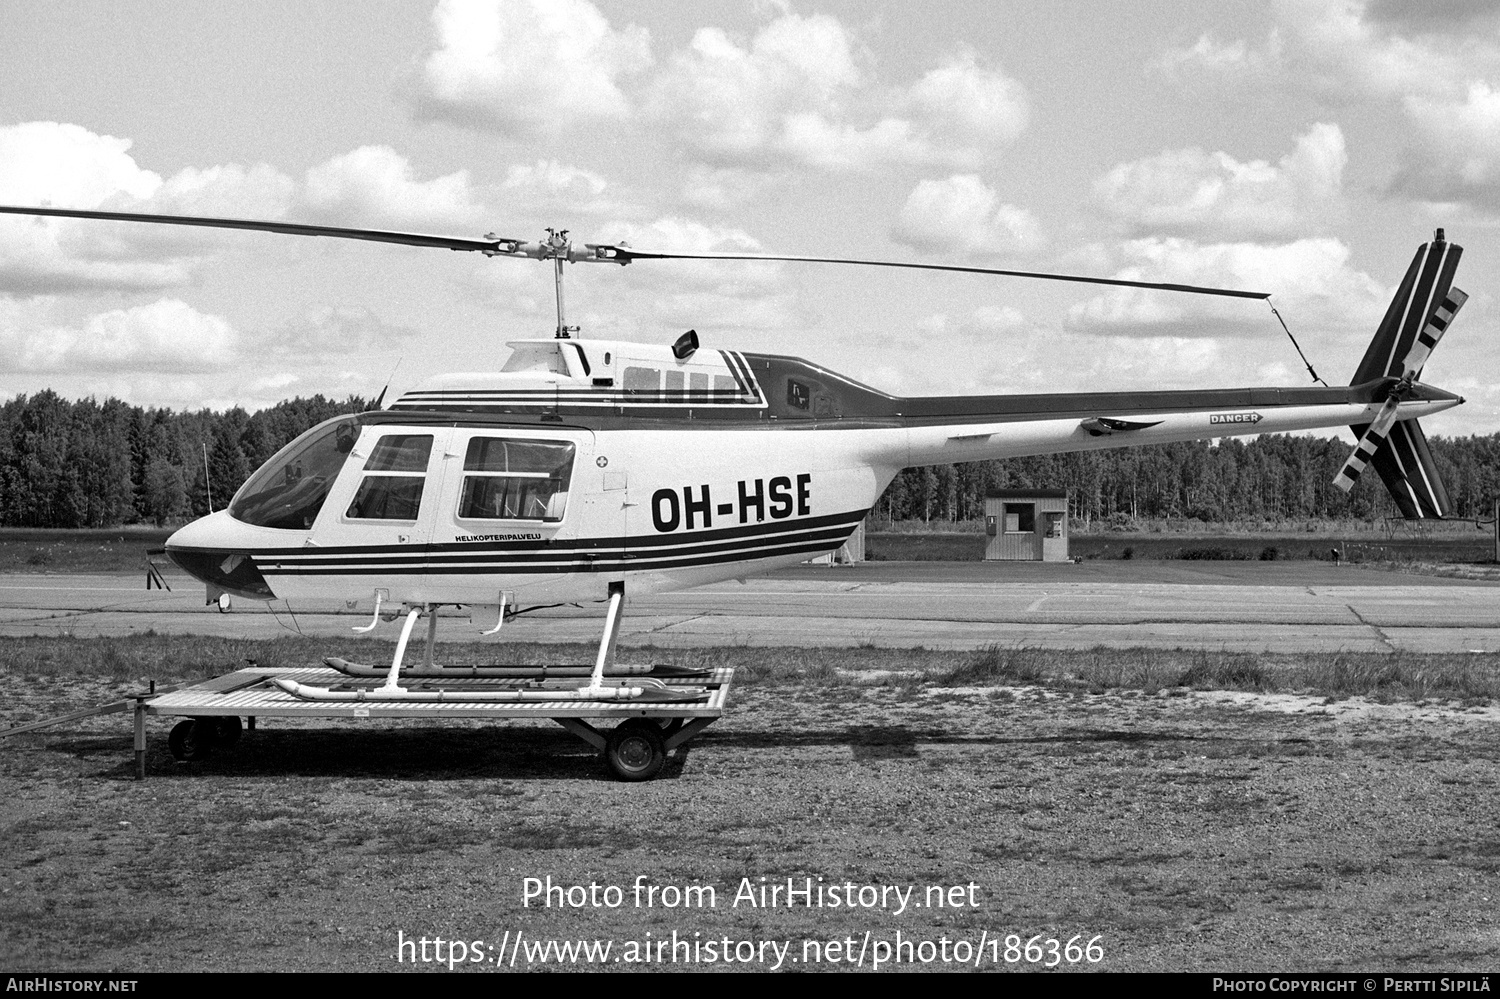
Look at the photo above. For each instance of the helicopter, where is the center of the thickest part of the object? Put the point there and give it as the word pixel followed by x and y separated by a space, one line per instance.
pixel 583 467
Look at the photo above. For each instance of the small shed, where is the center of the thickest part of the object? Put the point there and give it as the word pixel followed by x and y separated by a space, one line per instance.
pixel 849 552
pixel 1026 524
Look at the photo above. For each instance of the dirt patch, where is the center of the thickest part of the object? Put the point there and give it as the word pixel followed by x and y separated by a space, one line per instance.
pixel 1179 830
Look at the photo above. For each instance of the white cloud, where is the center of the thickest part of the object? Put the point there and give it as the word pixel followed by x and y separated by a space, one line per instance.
pixel 1434 66
pixel 554 178
pixel 1190 191
pixel 730 102
pixel 962 216
pixel 1210 55
pixel 528 67
pixel 166 335
pixel 375 185
pixel 48 162
pixel 559 191
pixel 721 188
pixel 260 192
pixel 1460 159
pixel 1326 302
pixel 51 164
pixel 328 333
pixel 676 294
pixel 679 235
pixel 969 104
pixel 797 93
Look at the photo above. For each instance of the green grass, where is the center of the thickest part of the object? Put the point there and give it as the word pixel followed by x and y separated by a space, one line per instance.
pixel 121 549
pixel 1398 676
pixel 62 663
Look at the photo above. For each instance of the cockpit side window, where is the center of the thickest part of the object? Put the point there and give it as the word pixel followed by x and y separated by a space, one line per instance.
pixel 288 491
pixel 396 494
pixel 507 479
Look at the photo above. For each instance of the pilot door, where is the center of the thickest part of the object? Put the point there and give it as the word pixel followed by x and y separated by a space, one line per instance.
pixel 379 516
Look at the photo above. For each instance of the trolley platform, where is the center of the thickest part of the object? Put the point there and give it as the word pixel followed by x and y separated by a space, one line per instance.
pixel 634 749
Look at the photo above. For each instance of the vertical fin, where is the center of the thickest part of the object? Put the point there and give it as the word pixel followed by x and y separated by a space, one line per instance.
pixel 1420 293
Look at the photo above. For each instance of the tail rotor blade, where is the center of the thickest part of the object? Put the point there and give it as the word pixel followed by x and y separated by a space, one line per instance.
pixel 1365 450
pixel 1437 325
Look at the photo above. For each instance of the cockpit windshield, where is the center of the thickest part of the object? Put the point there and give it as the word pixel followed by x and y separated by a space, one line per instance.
pixel 288 491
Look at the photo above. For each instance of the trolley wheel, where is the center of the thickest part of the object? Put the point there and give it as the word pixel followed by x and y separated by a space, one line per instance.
pixel 635 750
pixel 192 739
pixel 227 731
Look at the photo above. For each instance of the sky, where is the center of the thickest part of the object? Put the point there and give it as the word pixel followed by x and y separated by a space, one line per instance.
pixel 1299 147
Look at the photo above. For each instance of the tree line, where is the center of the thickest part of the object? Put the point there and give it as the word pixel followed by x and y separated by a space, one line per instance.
pixel 91 464
pixel 1271 478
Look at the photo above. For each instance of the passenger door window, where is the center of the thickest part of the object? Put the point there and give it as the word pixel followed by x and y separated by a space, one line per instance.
pixel 507 479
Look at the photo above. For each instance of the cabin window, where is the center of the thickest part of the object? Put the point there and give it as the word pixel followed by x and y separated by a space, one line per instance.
pixel 288 491
pixel 1020 518
pixel 396 494
pixel 515 479
pixel 584 358
pixel 642 381
pixel 676 381
pixel 726 387
pixel 797 395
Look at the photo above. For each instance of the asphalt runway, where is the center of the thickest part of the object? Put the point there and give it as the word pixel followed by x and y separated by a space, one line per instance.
pixel 1281 607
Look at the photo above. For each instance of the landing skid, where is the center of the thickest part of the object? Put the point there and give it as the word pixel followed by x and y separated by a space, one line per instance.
pixel 605 683
pixel 543 672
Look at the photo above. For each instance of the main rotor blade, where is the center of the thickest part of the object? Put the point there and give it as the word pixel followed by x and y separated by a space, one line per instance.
pixel 286 228
pixel 626 254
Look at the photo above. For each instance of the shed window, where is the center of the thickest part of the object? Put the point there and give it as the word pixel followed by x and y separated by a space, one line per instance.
pixel 1020 518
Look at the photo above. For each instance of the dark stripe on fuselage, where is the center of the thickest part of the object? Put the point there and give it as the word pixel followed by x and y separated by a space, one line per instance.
pixel 761 540
pixel 559 556
pixel 500 563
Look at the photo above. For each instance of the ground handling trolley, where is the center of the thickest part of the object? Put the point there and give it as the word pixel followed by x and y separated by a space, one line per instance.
pixel 658 708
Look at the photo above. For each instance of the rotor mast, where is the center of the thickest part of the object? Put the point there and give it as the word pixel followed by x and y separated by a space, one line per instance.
pixel 557 241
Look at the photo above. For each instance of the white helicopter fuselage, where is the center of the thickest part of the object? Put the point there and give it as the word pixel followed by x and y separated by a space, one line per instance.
pixel 586 464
